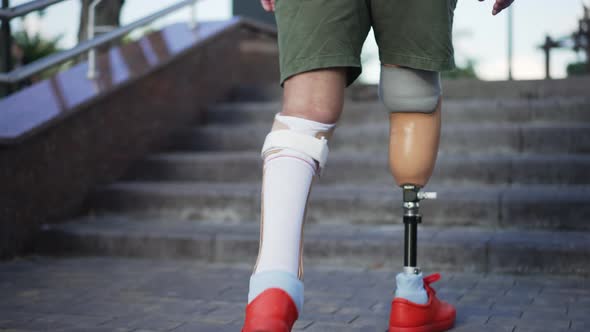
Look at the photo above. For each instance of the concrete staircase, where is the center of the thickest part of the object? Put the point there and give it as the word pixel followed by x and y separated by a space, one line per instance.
pixel 513 178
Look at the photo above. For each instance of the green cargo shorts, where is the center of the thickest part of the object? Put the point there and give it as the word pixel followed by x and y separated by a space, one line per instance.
pixel 316 34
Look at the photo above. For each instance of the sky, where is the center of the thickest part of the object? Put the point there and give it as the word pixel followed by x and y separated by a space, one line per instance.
pixel 478 35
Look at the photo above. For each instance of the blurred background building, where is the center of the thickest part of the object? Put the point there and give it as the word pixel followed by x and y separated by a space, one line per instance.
pixel 481 40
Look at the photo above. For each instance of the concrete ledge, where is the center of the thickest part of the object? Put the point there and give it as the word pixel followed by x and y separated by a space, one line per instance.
pixel 47 168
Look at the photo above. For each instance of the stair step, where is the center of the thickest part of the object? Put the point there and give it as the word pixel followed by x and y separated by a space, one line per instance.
pixel 452 89
pixel 459 249
pixel 531 206
pixel 454 111
pixel 366 168
pixel 558 138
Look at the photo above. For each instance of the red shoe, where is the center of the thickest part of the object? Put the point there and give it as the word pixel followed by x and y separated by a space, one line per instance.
pixel 271 311
pixel 434 316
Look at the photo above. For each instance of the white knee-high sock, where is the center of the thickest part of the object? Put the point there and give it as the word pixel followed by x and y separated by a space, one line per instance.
pixel 287 180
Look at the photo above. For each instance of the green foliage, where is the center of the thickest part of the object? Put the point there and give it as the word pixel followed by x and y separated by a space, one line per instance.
pixel 468 71
pixel 577 68
pixel 35 47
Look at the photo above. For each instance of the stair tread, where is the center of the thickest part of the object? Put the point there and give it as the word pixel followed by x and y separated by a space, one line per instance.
pixel 529 211
pixel 353 190
pixel 335 156
pixel 467 126
pixel 116 225
pixel 370 168
pixel 491 110
pixel 463 248
pixel 448 105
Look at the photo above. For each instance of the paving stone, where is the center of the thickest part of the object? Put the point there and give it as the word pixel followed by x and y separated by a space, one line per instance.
pixel 14 318
pixel 154 319
pixel 98 329
pixel 155 304
pixel 227 313
pixel 302 324
pixel 206 327
pixel 546 323
pixel 557 313
pixel 56 322
pixel 333 327
pixel 505 323
pixel 580 325
pixel 538 329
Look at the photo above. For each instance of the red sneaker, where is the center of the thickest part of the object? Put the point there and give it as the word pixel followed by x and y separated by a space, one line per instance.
pixel 434 316
pixel 271 311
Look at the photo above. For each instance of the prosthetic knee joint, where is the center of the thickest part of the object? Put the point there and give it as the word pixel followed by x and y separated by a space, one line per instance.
pixel 412 97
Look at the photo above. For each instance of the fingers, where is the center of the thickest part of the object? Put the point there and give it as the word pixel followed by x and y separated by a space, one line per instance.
pixel 268 5
pixel 501 5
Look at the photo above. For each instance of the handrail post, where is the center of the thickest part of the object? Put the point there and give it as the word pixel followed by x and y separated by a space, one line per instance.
pixel 510 42
pixel 6 46
pixel 90 36
pixel 193 9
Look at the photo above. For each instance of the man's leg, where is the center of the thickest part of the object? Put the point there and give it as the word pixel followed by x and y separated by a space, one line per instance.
pixel 314 38
pixel 312 103
pixel 316 95
pixel 294 153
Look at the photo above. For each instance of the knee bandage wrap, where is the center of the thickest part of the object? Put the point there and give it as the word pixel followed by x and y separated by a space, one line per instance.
pixel 304 136
pixel 409 90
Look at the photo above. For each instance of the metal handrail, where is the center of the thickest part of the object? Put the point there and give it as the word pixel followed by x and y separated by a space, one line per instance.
pixel 33 68
pixel 24 9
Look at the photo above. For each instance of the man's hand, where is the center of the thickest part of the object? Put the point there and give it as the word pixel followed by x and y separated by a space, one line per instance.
pixel 499 6
pixel 268 5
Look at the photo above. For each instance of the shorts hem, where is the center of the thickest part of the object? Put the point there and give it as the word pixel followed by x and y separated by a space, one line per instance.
pixel 417 62
pixel 302 65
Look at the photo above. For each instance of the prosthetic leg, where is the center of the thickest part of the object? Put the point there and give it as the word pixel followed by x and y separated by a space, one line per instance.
pixel 414 98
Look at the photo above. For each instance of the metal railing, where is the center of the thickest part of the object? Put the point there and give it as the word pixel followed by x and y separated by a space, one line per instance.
pixel 22 10
pixel 21 73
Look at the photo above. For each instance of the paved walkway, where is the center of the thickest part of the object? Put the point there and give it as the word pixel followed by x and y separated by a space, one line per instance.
pixel 114 294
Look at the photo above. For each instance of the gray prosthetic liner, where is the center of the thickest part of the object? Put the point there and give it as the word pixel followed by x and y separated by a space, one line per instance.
pixel 409 90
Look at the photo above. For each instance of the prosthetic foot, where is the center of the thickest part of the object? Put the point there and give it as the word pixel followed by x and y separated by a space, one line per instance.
pixel 294 152
pixel 413 98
